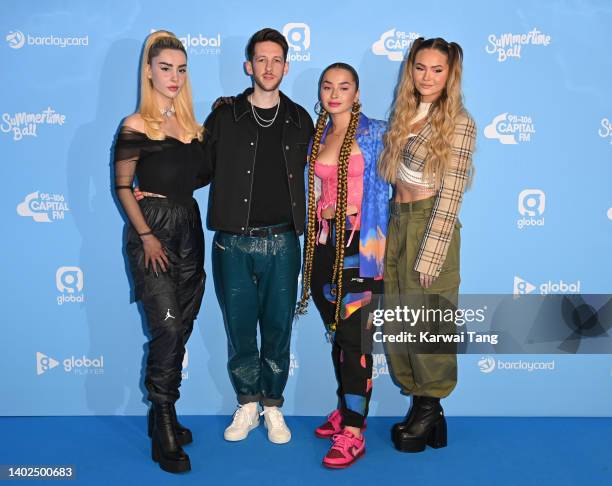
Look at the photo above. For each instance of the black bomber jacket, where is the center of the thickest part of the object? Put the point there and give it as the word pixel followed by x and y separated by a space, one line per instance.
pixel 230 144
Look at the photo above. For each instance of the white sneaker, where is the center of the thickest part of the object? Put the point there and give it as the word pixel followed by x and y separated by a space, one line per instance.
pixel 278 432
pixel 246 418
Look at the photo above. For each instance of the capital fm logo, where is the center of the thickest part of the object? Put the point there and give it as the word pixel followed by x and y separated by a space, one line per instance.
pixel 298 38
pixel 531 206
pixel 185 365
pixel 15 39
pixel 510 129
pixel 44 363
pixel 43 207
pixel 394 43
pixel 486 364
pixel 69 283
pixel 293 364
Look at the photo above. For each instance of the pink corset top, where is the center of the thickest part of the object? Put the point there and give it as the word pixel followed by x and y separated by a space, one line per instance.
pixel 329 188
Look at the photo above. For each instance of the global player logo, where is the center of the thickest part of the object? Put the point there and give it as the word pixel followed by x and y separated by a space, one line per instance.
pixel 15 39
pixel 393 43
pixel 522 287
pixel 69 282
pixel 44 363
pixel 486 364
pixel 199 43
pixel 298 38
pixel 531 203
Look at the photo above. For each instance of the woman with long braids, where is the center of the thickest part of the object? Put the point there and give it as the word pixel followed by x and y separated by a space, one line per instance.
pixel 344 248
pixel 428 158
pixel 160 145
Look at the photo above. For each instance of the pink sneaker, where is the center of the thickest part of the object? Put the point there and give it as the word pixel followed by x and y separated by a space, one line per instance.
pixel 331 427
pixel 345 450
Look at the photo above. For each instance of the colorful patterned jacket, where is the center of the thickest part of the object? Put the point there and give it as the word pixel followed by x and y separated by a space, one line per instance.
pixel 375 201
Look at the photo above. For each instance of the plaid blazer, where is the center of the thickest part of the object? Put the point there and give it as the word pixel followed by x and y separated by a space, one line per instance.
pixel 438 234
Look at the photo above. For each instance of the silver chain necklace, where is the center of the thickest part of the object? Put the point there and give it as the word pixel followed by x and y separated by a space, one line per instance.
pixel 261 121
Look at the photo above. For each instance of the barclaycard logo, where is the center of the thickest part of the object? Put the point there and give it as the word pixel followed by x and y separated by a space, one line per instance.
pixel 44 363
pixel 531 204
pixel 486 364
pixel 393 43
pixel 15 39
pixel 298 38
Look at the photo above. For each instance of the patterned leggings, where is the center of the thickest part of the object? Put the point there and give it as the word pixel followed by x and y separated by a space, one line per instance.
pixel 352 360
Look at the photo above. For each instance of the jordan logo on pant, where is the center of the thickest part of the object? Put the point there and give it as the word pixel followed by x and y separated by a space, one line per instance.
pixel 169 316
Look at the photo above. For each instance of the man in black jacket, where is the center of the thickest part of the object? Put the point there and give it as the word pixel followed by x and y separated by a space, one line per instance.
pixel 257 149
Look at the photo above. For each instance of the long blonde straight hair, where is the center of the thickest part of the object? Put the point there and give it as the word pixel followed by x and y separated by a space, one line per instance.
pixel 183 103
pixel 442 115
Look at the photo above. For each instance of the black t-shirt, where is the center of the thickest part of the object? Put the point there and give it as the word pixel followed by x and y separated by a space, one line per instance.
pixel 270 202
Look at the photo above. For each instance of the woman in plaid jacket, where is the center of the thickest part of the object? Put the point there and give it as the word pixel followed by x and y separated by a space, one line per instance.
pixel 428 158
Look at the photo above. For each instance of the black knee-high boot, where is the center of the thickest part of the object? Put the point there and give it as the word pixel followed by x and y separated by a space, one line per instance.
pixel 183 434
pixel 166 449
pixel 424 426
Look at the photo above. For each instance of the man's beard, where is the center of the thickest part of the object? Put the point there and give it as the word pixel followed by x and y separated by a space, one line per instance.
pixel 266 88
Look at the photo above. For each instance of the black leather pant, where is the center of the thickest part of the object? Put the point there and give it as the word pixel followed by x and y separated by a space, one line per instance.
pixel 171 299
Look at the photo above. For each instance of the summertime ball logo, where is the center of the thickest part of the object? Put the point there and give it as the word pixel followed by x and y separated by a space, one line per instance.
pixel 510 45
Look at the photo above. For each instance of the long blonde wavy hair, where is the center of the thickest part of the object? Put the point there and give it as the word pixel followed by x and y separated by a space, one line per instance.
pixel 442 115
pixel 183 103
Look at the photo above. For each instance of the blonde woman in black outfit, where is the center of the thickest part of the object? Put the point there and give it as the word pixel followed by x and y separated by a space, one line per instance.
pixel 160 145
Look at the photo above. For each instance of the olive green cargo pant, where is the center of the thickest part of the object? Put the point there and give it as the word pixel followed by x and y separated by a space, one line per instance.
pixel 420 368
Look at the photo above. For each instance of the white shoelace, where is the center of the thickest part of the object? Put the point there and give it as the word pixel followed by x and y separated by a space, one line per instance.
pixel 275 416
pixel 242 417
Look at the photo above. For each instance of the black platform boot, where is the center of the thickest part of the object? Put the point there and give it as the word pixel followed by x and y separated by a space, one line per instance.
pixel 166 449
pixel 401 426
pixel 183 434
pixel 425 426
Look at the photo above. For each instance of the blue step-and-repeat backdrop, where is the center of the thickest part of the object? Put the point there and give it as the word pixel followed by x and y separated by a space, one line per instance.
pixel 538 218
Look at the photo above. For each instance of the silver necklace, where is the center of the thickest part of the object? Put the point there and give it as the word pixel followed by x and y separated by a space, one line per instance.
pixel 261 121
pixel 168 112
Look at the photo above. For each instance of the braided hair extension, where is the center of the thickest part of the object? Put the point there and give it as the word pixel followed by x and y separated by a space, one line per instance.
pixel 341 204
pixel 311 229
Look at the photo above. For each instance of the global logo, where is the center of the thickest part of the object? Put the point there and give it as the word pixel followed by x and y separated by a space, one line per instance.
pixel 510 129
pixel 43 207
pixel 69 282
pixel 15 39
pixel 510 45
pixel 486 364
pixel 298 38
pixel 531 204
pixel 393 43
pixel 44 363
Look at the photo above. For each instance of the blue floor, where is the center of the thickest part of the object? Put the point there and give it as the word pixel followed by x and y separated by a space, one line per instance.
pixel 481 451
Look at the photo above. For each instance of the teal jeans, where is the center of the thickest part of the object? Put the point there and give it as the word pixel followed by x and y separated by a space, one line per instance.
pixel 256 280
